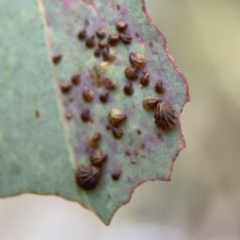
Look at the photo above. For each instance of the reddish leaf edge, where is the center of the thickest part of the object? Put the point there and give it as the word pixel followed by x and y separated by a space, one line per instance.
pixel 144 8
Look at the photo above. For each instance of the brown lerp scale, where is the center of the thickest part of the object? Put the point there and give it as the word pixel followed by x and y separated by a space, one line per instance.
pixel 121 26
pixel 97 52
pixel 128 89
pixel 139 132
pixel 108 54
pixel 87 176
pixel 126 38
pixel 82 34
pixel 165 116
pixel 117 132
pixel 150 103
pixel 88 94
pixel 90 41
pixel 85 115
pixel 104 96
pixel 57 58
pixel 116 117
pixel 65 87
pixel 108 83
pixel 116 174
pixel 98 158
pixel 101 33
pixel 102 44
pixel 137 60
pixel 76 78
pixel 113 39
pixel 159 88
pixel 131 74
pixel 94 139
pixel 145 79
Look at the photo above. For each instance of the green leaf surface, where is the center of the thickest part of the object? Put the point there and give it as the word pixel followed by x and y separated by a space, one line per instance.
pixel 39 149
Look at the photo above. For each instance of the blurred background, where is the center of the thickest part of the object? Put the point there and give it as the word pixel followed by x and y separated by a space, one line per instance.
pixel 202 200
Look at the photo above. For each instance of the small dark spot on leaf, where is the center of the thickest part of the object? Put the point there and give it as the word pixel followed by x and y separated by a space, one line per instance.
pixel 159 88
pixel 159 135
pixel 118 7
pixel 97 52
pixel 57 58
pixel 137 35
pixel 151 44
pixel 128 89
pixel 139 132
pixel 104 96
pixel 142 146
pixel 37 114
pixel 71 98
pixel 116 174
pixel 68 116
pixel 85 115
pixel 76 79
pixel 127 153
pixel 82 34
pixel 90 41
pixel 65 87
pixel 108 126
pixel 134 161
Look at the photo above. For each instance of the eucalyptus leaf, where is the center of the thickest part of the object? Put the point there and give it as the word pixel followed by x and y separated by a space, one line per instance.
pixel 43 139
